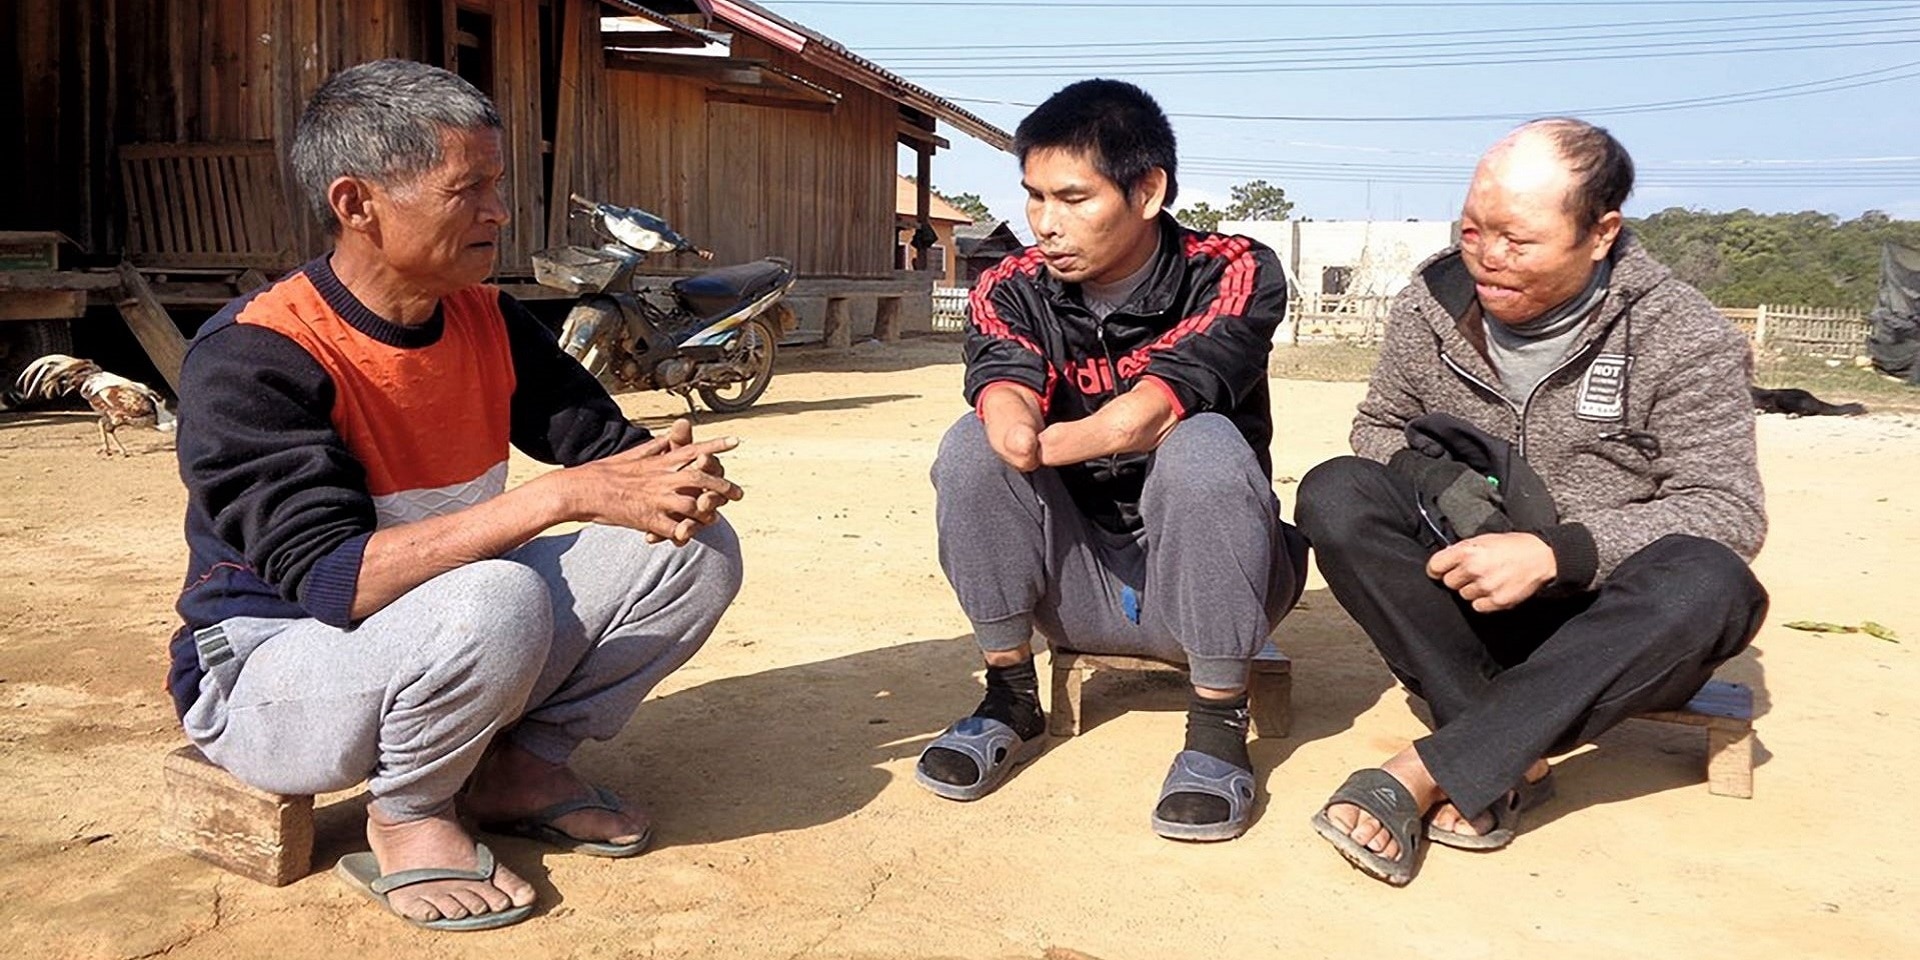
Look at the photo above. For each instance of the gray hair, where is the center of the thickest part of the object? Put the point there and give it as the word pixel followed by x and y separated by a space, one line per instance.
pixel 380 121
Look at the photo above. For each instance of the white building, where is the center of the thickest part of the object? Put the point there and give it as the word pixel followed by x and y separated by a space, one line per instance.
pixel 1355 258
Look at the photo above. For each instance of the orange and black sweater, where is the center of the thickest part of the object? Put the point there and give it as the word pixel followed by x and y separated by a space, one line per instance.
pixel 307 422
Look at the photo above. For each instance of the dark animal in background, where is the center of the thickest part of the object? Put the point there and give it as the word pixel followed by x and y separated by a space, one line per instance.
pixel 1795 402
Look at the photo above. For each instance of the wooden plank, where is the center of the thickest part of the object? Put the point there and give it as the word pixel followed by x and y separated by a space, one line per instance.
pixel 212 815
pixel 566 134
pixel 37 280
pixel 42 304
pixel 151 325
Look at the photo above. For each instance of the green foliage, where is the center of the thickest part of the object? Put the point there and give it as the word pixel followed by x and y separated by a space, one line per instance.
pixel 1743 259
pixel 1199 216
pixel 971 205
pixel 1258 200
pixel 1253 200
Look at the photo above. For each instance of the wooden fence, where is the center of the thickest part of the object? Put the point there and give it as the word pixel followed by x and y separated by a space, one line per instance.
pixel 950 309
pixel 1802 331
pixel 1362 320
pixel 1793 331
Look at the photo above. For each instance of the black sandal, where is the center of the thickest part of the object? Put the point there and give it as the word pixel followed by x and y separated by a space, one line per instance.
pixel 1506 817
pixel 1387 800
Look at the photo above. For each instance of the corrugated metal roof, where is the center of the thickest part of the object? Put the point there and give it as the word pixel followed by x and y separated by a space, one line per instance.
pixel 830 54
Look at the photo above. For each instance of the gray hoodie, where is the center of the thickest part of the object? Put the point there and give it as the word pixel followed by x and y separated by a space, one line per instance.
pixel 1657 368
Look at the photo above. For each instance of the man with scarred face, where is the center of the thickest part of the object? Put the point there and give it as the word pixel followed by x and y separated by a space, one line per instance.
pixel 1547 528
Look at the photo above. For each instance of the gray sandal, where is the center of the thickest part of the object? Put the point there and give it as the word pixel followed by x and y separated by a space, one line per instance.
pixel 361 871
pixel 1506 817
pixel 1205 774
pixel 992 746
pixel 1385 799
pixel 539 826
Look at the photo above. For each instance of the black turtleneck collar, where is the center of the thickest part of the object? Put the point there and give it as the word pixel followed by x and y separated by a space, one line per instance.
pixel 362 318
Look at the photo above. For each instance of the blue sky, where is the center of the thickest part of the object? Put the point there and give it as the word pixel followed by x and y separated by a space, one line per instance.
pixel 1851 143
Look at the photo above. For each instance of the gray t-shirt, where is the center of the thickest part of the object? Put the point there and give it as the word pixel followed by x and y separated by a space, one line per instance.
pixel 1105 298
pixel 1523 354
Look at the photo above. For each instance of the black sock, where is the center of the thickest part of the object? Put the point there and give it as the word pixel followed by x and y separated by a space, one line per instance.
pixel 1013 698
pixel 1217 728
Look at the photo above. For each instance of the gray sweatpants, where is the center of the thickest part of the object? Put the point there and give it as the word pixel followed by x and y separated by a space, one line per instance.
pixel 555 643
pixel 1207 578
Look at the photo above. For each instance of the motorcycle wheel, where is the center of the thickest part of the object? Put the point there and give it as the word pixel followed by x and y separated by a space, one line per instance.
pixel 754 351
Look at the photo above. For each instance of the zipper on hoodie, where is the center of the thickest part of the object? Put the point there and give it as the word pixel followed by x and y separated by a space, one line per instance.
pixel 1522 409
pixel 1572 359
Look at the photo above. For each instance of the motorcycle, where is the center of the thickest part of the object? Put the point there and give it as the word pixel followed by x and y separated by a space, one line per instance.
pixel 714 333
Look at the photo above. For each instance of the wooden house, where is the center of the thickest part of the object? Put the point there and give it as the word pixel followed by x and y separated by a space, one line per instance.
pixel 943 217
pixel 154 131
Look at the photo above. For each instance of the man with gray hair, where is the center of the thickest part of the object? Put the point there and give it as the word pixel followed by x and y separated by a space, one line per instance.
pixel 1547 528
pixel 366 600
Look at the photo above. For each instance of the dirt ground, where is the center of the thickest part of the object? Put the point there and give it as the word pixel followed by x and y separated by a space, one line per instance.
pixel 778 764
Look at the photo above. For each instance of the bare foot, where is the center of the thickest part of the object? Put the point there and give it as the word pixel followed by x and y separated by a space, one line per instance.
pixel 511 783
pixel 1405 767
pixel 1447 817
pixel 439 842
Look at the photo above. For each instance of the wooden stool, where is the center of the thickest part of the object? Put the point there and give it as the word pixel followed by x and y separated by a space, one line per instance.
pixel 212 815
pixel 1269 687
pixel 1726 710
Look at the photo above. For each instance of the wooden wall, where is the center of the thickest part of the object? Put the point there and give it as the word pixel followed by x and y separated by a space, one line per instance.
pixel 105 72
pixel 747 181
pixel 751 181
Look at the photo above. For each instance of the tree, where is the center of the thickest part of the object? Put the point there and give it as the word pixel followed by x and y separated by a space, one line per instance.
pixel 1258 200
pixel 1199 216
pixel 1743 258
pixel 971 205
pixel 967 203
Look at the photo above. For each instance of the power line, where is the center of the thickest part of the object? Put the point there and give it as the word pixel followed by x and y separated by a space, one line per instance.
pixel 1313 4
pixel 1684 48
pixel 1808 88
pixel 1476 32
pixel 1374 41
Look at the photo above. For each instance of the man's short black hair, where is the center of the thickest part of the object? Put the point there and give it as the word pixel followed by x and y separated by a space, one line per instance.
pixel 1602 170
pixel 1116 124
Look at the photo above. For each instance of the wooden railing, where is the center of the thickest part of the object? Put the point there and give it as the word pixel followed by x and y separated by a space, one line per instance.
pixel 206 205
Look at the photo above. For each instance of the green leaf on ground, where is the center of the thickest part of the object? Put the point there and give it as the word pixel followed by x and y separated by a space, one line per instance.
pixel 1820 626
pixel 1868 627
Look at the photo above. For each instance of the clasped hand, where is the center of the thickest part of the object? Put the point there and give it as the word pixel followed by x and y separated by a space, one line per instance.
pixel 669 487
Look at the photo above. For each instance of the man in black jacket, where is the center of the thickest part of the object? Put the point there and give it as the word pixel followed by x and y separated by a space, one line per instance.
pixel 1112 488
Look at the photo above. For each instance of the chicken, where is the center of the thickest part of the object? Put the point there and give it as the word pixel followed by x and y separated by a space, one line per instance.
pixel 119 402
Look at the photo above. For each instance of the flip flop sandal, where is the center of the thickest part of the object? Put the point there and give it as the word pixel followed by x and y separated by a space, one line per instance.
pixel 1207 775
pixel 362 872
pixel 539 826
pixel 1506 818
pixel 992 746
pixel 1385 799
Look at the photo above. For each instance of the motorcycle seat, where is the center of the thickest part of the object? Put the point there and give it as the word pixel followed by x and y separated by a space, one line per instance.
pixel 718 291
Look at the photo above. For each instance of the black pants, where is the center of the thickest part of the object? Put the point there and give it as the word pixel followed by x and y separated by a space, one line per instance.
pixel 1506 689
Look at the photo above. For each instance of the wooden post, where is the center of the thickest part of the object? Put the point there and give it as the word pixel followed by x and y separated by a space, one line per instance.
pixel 1760 328
pixel 210 814
pixel 839 331
pixel 1069 679
pixel 151 325
pixel 886 319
